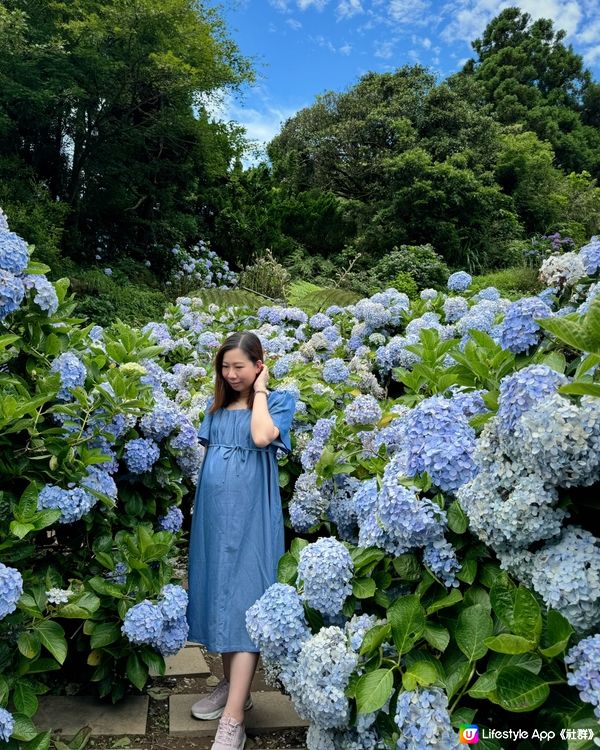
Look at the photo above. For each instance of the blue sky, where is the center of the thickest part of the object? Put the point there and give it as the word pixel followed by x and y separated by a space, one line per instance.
pixel 301 48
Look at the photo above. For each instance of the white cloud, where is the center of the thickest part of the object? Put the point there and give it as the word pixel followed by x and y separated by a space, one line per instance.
pixel 345 49
pixel 322 41
pixel 319 4
pixel 590 34
pixel 281 5
pixel 592 54
pixel 293 23
pixel 426 42
pixel 384 50
pixel 409 11
pixel 349 8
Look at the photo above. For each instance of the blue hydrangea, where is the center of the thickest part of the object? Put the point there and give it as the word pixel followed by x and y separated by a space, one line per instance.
pixel 320 321
pixel 470 403
pixel 363 410
pixel 373 314
pixel 140 455
pixel 276 624
pixel 326 569
pixel 308 502
pixel 142 623
pixel 282 366
pixel 173 636
pixel 343 739
pixel 592 293
pixel 480 317
pixel 45 296
pixel 14 256
pixel 521 390
pixel 441 442
pixel 321 677
pixel 590 255
pixel 3 222
pixel 560 440
pixel 313 450
pixel 161 421
pixel 100 481
pixel 73 503
pixel 423 721
pixel 519 331
pixel 365 502
pixel 173 602
pixel 72 373
pixel 489 293
pixel 7 725
pixel 395 354
pixel 335 371
pixel 459 281
pixel 455 308
pixel 427 321
pixel 171 521
pixel 11 588
pixel 583 661
pixel 119 574
pixel 12 292
pixel 395 302
pixel 566 574
pixel 357 627
pixel 511 512
pixel 428 294
pixel 342 510
pixel 440 558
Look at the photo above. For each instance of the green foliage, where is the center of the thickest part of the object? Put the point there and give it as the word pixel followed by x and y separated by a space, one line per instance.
pixel 405 282
pixel 265 276
pixel 425 266
pixel 512 282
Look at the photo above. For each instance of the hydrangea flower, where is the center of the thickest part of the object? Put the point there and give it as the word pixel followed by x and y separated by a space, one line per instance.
pixel 161 421
pixel 583 661
pixel 100 481
pixel 320 321
pixel 521 390
pixel 519 331
pixel 140 455
pixel 489 293
pixel 11 588
pixel 173 602
pixel 313 450
pixel 459 281
pixel 173 636
pixel 321 676
pixel 357 626
pixel 163 625
pixel 455 308
pixel 342 510
pixel 395 354
pixel 308 502
pixel 363 410
pixel 57 596
pixel 441 442
pixel 7 725
pixel 335 371
pixel 440 558
pixel 14 255
pixel 73 503
pixel 45 296
pixel 276 624
pixel 423 721
pixel 142 623
pixel 566 574
pixel 562 270
pixel 12 293
pixel 428 294
pixel 171 521
pixel 326 569
pixel 72 373
pixel 590 255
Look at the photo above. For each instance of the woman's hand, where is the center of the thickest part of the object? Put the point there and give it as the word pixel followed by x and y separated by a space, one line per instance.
pixel 262 380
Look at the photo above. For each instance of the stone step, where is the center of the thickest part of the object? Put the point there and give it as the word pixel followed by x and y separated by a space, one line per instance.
pixel 69 714
pixel 189 662
pixel 272 712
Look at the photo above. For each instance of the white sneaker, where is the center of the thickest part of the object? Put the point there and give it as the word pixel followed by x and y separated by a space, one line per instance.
pixel 212 706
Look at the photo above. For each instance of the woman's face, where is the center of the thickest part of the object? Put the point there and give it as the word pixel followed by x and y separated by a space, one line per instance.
pixel 239 370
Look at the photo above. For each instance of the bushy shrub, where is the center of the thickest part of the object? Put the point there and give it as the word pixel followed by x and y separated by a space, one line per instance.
pixel 404 282
pixel 266 276
pixel 426 267
pixel 511 282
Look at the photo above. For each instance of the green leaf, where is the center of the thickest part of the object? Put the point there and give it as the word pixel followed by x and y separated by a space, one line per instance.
pixel 581 388
pixel 40 742
pixel 473 626
pixel 408 567
pixel 457 518
pixel 447 600
pixel 373 690
pixel 20 530
pixel 556 634
pixel 506 643
pixel 420 672
pixel 437 636
pixel 101 586
pixel 520 690
pixel 287 569
pixel 468 571
pixel 407 618
pixel 484 686
pixel 24 698
pixel 297 546
pixel 23 730
pixel 518 609
pixel 52 637
pixel 374 637
pixel 137 671
pixel 363 588
pixel 104 634
pixel 29 644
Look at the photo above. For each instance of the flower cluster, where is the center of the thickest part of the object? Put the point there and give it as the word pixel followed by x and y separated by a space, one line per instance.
pixel 363 410
pixel 583 661
pixel 335 371
pixel 562 270
pixel 140 455
pixel 11 588
pixel 76 501
pixel 423 721
pixel 519 330
pixel 172 520
pixel 590 256
pixel 308 501
pixel 320 434
pixel 162 625
pixel 519 392
pixel 7 725
pixel 459 281
pixel 72 373
pixel 325 568
pixel 202 266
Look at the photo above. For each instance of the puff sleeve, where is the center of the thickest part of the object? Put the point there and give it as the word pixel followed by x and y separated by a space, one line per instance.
pixel 204 431
pixel 282 406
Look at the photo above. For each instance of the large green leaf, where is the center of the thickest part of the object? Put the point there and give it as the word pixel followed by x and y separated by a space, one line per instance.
pixel 520 690
pixel 24 698
pixel 518 609
pixel 556 634
pixel 507 643
pixel 137 671
pixel 52 637
pixel 373 689
pixel 407 618
pixel 582 333
pixel 473 627
pixel 104 634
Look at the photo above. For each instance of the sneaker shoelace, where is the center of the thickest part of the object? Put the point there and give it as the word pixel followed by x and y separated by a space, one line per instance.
pixel 226 731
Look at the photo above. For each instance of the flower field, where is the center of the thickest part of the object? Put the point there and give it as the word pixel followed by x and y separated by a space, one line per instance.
pixel 443 566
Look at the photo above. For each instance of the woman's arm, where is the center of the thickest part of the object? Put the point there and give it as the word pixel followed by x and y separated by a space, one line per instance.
pixel 262 429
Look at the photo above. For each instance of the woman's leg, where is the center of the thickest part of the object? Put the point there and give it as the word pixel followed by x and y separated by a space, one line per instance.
pixel 242 665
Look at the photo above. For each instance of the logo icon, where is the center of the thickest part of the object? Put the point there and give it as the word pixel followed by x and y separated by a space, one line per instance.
pixel 468 734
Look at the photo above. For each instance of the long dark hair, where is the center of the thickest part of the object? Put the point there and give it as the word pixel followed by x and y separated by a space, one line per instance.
pixel 250 344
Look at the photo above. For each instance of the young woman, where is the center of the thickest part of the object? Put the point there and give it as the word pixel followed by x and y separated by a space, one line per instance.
pixel 237 527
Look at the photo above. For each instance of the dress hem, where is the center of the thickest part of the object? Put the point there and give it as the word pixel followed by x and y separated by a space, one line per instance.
pixel 213 649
